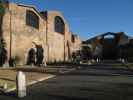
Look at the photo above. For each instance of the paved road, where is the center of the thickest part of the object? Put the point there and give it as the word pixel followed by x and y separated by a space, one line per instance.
pixel 97 82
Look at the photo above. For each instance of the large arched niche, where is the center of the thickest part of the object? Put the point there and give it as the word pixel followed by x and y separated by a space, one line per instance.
pixel 59 25
pixel 109 43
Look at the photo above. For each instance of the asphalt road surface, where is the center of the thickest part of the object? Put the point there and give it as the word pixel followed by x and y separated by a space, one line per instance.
pixel 97 82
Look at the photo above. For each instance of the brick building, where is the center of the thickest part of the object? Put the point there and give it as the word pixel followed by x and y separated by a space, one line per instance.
pixel 23 25
pixel 110 46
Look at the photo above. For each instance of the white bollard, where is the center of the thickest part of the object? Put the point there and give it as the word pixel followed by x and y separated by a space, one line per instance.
pixel 97 60
pixel 123 60
pixel 45 64
pixel 6 65
pixel 21 84
pixel 5 86
pixel 93 60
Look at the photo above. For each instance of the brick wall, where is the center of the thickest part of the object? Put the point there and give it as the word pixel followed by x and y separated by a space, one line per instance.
pixel 57 47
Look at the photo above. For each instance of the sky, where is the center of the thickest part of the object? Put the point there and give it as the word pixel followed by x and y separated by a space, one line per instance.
pixel 88 18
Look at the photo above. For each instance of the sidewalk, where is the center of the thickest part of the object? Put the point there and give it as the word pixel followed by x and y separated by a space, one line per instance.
pixel 33 75
pixel 49 69
pixel 9 77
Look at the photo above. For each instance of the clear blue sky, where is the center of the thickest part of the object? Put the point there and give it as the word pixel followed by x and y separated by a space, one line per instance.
pixel 88 18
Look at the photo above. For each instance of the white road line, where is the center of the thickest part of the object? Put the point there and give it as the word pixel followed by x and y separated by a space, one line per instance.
pixel 31 83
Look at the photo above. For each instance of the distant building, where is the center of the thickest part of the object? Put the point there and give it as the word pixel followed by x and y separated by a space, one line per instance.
pixel 111 46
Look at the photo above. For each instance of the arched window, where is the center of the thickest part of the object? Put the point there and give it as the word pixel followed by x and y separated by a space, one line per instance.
pixel 109 36
pixel 59 25
pixel 32 19
pixel 72 38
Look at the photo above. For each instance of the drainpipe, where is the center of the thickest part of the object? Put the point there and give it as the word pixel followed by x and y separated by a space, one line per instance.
pixel 47 34
pixel 10 52
pixel 64 46
pixel 64 49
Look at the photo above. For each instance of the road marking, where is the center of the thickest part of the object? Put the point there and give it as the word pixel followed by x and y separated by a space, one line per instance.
pixel 40 80
pixel 31 83
pixel 67 71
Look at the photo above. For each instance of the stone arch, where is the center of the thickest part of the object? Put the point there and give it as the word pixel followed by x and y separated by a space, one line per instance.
pixel 51 21
pixel 109 43
pixel 59 25
pixel 108 35
pixel 63 35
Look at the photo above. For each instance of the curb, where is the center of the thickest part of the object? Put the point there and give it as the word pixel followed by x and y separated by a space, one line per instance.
pixel 63 72
pixel 31 83
pixel 40 80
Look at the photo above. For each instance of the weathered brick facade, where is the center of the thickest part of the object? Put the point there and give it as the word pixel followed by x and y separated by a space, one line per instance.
pixel 57 46
pixel 110 45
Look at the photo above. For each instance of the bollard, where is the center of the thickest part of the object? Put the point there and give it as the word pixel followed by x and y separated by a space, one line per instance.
pixel 123 61
pixel 5 86
pixel 6 65
pixel 21 84
pixel 45 64
pixel 97 60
